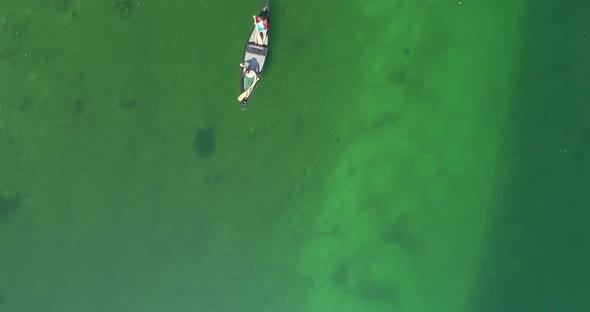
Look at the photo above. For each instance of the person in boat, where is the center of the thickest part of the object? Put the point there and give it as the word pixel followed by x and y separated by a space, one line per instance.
pixel 249 76
pixel 261 24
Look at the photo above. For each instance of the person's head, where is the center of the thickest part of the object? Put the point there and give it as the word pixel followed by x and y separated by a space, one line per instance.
pixel 262 18
pixel 248 69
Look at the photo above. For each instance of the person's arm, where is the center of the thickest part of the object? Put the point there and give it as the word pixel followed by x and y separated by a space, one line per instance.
pixel 254 17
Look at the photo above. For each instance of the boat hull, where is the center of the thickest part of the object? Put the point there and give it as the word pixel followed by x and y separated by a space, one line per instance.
pixel 255 55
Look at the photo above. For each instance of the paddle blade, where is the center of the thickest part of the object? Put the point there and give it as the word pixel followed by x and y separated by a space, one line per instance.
pixel 243 95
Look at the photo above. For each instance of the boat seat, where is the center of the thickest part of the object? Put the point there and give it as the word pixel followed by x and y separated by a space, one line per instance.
pixel 254 49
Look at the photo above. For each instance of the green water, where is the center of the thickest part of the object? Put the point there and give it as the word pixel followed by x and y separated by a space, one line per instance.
pixel 426 155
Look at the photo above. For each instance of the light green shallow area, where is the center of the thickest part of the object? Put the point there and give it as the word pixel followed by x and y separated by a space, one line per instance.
pixel 359 178
pixel 408 202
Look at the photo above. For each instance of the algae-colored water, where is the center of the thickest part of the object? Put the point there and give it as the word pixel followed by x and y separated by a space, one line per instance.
pixel 409 156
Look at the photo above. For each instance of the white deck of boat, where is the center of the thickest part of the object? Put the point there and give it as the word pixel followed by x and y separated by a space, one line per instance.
pixel 260 59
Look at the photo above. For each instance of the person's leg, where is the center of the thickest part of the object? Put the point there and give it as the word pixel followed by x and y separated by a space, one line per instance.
pixel 248 82
pixel 257 37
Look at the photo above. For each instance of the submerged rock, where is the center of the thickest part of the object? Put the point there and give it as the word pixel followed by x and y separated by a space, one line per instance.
pixel 8 204
pixel 204 142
